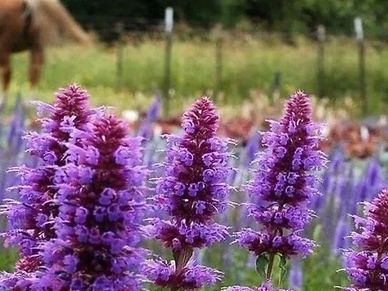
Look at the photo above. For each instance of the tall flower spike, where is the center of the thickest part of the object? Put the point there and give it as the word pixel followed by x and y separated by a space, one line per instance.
pixel 191 193
pixel 367 263
pixel 283 185
pixel 100 192
pixel 31 219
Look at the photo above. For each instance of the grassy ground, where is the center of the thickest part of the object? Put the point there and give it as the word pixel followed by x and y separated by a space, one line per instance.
pixel 248 64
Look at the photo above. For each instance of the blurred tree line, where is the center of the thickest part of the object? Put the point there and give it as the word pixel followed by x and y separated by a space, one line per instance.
pixel 290 16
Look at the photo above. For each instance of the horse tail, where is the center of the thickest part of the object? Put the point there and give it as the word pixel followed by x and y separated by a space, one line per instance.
pixel 52 12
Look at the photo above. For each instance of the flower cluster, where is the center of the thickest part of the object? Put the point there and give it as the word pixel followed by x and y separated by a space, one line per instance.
pixel 367 265
pixel 189 277
pixel 192 191
pixel 31 218
pixel 283 184
pixel 100 193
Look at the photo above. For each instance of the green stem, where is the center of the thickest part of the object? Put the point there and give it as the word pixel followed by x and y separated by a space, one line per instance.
pixel 270 266
pixel 272 255
pixel 181 258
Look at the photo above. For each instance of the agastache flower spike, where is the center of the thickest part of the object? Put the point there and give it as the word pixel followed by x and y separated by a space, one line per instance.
pixel 100 215
pixel 284 183
pixel 367 264
pixel 31 219
pixel 192 192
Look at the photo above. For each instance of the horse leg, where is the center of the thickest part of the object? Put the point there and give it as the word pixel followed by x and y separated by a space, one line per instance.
pixel 37 59
pixel 5 67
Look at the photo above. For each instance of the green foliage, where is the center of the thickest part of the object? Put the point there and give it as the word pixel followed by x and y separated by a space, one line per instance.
pixel 288 16
pixel 7 259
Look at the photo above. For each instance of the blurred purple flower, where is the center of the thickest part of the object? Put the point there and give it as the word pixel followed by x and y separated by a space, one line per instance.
pixel 374 176
pixel 153 113
pixel 16 128
pixel 295 278
pixel 266 286
pixel 12 151
pixel 340 240
pixel 252 148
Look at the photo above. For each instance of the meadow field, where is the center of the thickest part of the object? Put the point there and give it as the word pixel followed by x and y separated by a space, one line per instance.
pixel 248 64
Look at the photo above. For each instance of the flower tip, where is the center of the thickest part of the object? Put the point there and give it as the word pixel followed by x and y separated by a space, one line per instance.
pixel 298 106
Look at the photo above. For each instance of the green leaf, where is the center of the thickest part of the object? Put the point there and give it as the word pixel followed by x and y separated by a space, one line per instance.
pixel 283 269
pixel 261 264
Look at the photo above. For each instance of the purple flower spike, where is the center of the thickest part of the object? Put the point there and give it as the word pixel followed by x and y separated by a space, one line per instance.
pixel 98 224
pixel 192 192
pixel 367 264
pixel 283 184
pixel 31 219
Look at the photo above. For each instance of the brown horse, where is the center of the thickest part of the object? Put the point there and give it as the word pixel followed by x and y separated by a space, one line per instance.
pixel 32 25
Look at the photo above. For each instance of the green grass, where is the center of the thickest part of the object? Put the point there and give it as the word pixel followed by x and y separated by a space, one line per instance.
pixel 248 64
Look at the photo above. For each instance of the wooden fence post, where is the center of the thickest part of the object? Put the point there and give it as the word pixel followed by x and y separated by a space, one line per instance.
pixel 119 28
pixel 361 64
pixel 218 35
pixel 169 24
pixel 275 87
pixel 321 37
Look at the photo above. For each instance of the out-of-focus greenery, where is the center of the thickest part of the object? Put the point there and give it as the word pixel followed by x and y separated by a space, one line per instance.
pixel 288 16
pixel 249 63
pixel 7 259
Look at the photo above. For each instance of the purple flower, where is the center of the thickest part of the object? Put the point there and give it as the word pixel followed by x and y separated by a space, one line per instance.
pixel 340 240
pixel 31 219
pixel 296 275
pixel 284 183
pixel 99 222
pixel 266 286
pixel 189 277
pixel 192 192
pixel 16 128
pixel 251 149
pixel 145 129
pixel 367 264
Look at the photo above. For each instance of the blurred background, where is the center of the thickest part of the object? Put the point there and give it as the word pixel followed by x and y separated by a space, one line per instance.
pixel 150 60
pixel 232 50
